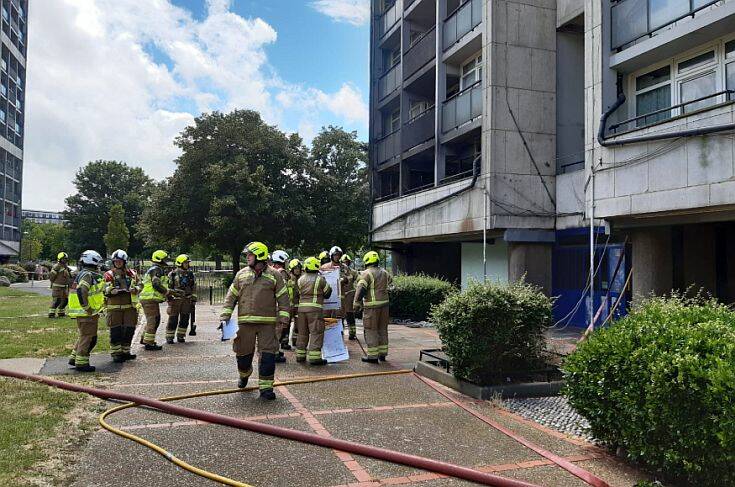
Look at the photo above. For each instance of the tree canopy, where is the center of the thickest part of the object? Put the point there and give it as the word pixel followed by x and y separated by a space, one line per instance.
pixel 118 235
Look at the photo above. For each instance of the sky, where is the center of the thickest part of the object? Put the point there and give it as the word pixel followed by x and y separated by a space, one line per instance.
pixel 119 79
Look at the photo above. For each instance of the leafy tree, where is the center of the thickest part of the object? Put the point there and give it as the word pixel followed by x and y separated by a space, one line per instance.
pixel 52 239
pixel 32 242
pixel 100 185
pixel 338 191
pixel 236 180
pixel 117 236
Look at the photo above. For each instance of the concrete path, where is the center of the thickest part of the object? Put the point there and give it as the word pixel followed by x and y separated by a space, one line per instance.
pixel 38 287
pixel 397 412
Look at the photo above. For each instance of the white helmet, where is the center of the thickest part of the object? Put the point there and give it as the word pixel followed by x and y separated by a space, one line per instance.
pixel 334 250
pixel 119 255
pixel 279 256
pixel 90 258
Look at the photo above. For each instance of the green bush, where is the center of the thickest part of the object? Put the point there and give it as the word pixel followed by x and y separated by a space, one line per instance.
pixel 491 328
pixel 661 384
pixel 20 272
pixel 413 296
pixel 12 276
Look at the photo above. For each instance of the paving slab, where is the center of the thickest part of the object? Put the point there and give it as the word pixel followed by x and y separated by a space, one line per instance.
pixel 23 365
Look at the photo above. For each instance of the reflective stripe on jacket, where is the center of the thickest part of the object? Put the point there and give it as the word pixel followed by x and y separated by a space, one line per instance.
pixel 313 288
pixel 259 298
pixel 375 282
pixel 152 279
pixel 60 276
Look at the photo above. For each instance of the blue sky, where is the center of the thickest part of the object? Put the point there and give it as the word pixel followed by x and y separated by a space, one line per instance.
pixel 120 79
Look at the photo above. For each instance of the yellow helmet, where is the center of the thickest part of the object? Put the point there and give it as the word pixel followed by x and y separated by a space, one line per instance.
pixel 62 255
pixel 311 264
pixel 258 249
pixel 370 258
pixel 323 255
pixel 159 256
pixel 345 258
pixel 181 259
pixel 294 263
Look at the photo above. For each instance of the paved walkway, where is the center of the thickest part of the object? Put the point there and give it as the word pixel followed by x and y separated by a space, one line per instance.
pixel 397 412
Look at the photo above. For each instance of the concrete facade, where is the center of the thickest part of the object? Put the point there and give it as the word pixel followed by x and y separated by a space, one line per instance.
pixel 13 35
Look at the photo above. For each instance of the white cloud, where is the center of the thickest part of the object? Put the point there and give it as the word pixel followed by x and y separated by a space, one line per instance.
pixel 94 91
pixel 355 12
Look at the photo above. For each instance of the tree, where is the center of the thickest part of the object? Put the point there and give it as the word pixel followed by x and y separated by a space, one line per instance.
pixel 237 180
pixel 32 243
pixel 339 191
pixel 117 236
pixel 51 238
pixel 100 185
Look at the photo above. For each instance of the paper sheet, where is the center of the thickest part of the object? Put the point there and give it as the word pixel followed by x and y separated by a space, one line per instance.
pixel 332 277
pixel 333 348
pixel 230 329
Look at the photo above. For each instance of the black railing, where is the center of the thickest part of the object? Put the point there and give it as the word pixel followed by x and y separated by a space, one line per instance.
pixel 456 177
pixel 386 197
pixel 631 20
pixel 668 112
pixel 418 188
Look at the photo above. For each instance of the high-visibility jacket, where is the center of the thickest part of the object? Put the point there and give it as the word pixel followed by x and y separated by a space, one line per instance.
pixel 313 288
pixel 259 298
pixel 372 287
pixel 90 285
pixel 287 281
pixel 293 289
pixel 125 280
pixel 155 286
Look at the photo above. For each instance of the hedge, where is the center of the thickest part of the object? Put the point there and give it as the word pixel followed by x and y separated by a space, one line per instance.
pixel 660 383
pixel 12 276
pixel 413 296
pixel 20 272
pixel 491 328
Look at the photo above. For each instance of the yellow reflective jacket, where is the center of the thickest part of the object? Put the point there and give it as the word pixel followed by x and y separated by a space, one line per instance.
pixel 90 285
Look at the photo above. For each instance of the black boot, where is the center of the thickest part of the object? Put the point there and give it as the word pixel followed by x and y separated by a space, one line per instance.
pixel 353 336
pixel 129 356
pixel 72 361
pixel 321 361
pixel 242 383
pixel 370 360
pixel 118 359
pixel 181 339
pixel 280 359
pixel 267 394
pixel 193 331
pixel 152 347
pixel 170 341
pixel 382 358
pixel 85 368
pixel 285 345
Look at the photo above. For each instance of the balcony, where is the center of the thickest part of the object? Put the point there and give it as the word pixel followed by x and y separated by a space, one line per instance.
pixel 389 18
pixel 632 20
pixel 418 130
pixel 462 108
pixel 388 146
pixel 462 21
pixel 420 53
pixel 389 82
pixel 407 3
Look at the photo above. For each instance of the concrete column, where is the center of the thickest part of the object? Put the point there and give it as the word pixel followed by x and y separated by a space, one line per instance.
pixel 699 258
pixel 652 261
pixel 532 260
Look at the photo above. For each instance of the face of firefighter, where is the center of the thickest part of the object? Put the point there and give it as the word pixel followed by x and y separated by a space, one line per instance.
pixel 185 265
pixel 251 259
pixel 296 271
pixel 335 257
pixel 118 263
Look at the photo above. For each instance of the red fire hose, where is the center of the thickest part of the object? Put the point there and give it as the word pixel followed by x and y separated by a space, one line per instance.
pixel 327 442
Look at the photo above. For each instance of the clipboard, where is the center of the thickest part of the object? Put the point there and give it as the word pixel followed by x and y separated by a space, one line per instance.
pixel 229 330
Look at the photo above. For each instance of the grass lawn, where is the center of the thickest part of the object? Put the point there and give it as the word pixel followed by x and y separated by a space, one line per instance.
pixel 22 334
pixel 47 428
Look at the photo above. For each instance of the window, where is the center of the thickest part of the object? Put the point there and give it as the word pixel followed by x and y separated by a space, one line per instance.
pixel 395 120
pixel 653 92
pixel 471 72
pixel 394 58
pixel 700 81
pixel 417 108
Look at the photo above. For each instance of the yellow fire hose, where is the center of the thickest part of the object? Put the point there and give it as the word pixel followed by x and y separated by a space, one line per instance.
pixel 196 470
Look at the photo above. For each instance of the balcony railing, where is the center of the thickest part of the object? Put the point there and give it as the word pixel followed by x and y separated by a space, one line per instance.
pixel 407 3
pixel 389 18
pixel 390 81
pixel 634 19
pixel 462 21
pixel 389 146
pixel 462 107
pixel 420 53
pixel 418 130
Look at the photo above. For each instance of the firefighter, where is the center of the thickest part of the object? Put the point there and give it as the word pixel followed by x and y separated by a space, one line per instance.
pixel 372 289
pixel 181 282
pixel 60 278
pixel 279 258
pixel 121 290
pixel 85 305
pixel 335 253
pixel 294 272
pixel 155 292
pixel 262 300
pixel 313 288
pixel 323 257
pixel 348 276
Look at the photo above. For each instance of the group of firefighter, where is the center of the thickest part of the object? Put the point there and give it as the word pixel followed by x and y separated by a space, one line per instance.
pixel 271 292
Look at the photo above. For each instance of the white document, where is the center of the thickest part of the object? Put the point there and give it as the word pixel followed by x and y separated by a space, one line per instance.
pixel 332 278
pixel 333 348
pixel 230 328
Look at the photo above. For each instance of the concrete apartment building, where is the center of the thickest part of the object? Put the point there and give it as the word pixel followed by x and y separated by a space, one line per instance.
pixel 13 35
pixel 44 216
pixel 515 150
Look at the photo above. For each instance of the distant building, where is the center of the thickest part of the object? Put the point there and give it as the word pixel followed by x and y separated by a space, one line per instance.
pixel 42 216
pixel 13 24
